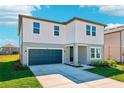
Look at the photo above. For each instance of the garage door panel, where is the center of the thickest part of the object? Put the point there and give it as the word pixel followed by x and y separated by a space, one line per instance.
pixel 44 56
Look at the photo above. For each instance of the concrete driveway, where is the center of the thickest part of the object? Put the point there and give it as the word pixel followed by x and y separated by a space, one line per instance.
pixel 60 75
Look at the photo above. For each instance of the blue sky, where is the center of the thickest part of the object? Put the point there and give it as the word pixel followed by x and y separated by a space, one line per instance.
pixel 113 16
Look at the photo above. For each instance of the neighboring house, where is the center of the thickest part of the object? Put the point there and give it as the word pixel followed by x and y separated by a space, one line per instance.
pixel 77 41
pixel 9 49
pixel 114 44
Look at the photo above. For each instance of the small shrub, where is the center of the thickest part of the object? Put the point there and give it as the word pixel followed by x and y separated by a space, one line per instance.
pixel 97 63
pixel 107 63
pixel 18 66
pixel 111 63
pixel 25 66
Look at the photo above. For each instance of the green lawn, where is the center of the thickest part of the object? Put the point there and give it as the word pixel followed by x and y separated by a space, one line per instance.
pixel 112 73
pixel 10 78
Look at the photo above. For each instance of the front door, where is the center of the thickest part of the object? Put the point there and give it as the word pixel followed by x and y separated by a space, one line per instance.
pixel 71 53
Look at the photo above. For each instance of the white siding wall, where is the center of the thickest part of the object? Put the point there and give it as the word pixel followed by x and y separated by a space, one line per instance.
pixel 70 32
pixel 28 45
pixel 122 46
pixel 81 36
pixel 20 44
pixel 122 39
pixel 74 32
pixel 46 32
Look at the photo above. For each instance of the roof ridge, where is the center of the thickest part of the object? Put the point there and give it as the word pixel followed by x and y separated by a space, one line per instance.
pixel 114 28
pixel 9 45
pixel 73 18
pixel 63 23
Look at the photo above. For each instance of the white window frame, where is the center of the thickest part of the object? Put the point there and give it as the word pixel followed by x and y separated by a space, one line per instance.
pixel 99 49
pixel 91 53
pixel 95 53
pixel 88 31
pixel 56 30
pixel 38 28
pixel 93 31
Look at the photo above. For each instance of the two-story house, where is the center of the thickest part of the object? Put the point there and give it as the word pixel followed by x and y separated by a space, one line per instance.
pixel 114 44
pixel 77 41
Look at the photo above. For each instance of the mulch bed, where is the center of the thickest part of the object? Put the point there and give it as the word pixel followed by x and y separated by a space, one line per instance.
pixel 18 66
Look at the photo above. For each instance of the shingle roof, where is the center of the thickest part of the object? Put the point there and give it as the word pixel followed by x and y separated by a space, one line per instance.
pixel 9 45
pixel 114 30
pixel 63 23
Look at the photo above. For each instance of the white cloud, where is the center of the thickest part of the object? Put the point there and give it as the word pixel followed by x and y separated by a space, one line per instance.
pixel 8 23
pixel 9 14
pixel 7 41
pixel 82 6
pixel 109 26
pixel 116 10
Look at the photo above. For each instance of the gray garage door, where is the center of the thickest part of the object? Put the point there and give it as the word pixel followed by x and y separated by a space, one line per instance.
pixel 44 56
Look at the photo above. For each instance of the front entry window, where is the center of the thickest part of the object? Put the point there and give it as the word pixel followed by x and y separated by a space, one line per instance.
pixel 95 53
pixel 98 53
pixel 71 53
pixel 92 52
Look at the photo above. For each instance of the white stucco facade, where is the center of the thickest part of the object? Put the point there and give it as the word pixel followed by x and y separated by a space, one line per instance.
pixel 70 34
pixel 46 32
pixel 122 38
pixel 122 46
pixel 74 32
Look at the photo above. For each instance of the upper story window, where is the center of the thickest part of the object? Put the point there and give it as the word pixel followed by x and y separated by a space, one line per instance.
pixel 87 29
pixel 93 31
pixel 56 30
pixel 36 27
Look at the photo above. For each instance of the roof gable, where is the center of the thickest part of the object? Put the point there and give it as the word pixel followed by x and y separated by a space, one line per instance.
pixel 9 45
pixel 63 23
pixel 114 30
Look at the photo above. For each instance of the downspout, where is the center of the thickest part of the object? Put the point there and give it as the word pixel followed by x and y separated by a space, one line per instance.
pixel 121 48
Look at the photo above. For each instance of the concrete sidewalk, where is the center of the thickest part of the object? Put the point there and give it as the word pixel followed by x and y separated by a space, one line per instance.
pixel 59 81
pixel 63 76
